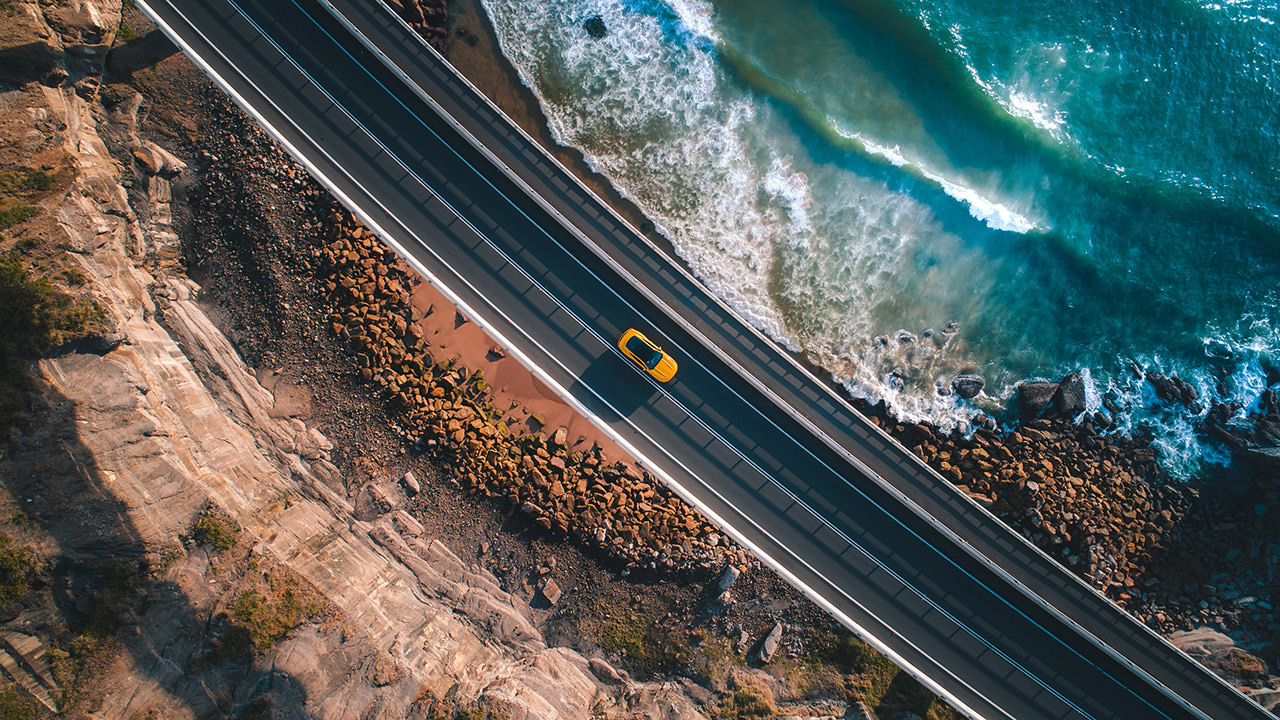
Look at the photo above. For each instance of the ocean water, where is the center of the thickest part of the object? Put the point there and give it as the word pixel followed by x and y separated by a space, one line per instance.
pixel 914 189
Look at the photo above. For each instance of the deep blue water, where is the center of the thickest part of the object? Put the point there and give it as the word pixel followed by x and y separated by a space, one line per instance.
pixel 1076 185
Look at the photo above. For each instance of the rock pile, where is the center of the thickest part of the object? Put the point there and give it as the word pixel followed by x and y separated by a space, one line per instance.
pixel 1095 503
pixel 428 18
pixel 446 411
pixel 1254 436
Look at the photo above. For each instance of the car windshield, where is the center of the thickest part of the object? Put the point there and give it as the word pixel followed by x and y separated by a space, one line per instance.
pixel 647 354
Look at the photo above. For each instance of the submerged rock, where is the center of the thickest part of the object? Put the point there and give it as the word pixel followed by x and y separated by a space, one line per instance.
pixel 967 386
pixel 595 27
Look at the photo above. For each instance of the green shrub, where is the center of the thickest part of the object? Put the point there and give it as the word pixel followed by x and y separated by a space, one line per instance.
pixel 16 566
pixel 126 34
pixel 270 617
pixel 15 706
pixel 73 276
pixel 215 532
pixel 849 654
pixel 650 649
pixel 17 214
pixel 38 316
pixel 25 182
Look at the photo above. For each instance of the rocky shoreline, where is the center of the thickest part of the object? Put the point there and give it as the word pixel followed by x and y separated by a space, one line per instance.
pixel 1178 555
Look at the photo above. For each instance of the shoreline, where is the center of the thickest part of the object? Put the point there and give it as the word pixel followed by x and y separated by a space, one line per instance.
pixel 473 50
pixel 1172 534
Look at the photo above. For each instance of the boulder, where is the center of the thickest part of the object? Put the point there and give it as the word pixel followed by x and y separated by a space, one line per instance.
pixel 104 342
pixel 1034 397
pixel 1068 401
pixel 967 386
pixel 595 27
pixel 410 483
pixel 605 672
pixel 1174 389
pixel 728 578
pixel 769 646
pixel 551 592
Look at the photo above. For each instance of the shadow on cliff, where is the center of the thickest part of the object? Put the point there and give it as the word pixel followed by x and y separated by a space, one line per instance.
pixel 99 586
pixel 142 52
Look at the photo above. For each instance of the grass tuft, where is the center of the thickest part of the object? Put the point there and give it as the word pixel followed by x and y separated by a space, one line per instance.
pixel 211 530
pixel 16 568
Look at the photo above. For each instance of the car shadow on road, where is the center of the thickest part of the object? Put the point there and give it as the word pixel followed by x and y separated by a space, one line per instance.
pixel 612 388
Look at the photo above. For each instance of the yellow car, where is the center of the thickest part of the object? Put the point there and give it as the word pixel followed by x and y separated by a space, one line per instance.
pixel 644 353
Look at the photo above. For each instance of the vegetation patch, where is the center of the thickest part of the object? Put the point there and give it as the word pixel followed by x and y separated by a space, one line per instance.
pixel 18 706
pixel 427 706
pixel 218 532
pixel 16 567
pixel 37 318
pixel 265 610
pixel 16 215
pixel 18 187
pixel 126 33
pixel 23 181
pixel 649 648
pixel 748 700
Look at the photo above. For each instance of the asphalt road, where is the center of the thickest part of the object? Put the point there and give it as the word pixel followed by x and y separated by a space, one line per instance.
pixel 767 450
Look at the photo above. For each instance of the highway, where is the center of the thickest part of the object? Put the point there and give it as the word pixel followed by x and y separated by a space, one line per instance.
pixel 765 449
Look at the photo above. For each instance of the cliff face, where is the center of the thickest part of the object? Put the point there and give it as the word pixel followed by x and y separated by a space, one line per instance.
pixel 136 446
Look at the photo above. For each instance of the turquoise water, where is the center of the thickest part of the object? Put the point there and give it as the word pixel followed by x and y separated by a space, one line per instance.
pixel 1075 185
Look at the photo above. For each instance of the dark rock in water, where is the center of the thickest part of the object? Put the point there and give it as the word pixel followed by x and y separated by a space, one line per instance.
pixel 1217 350
pixel 880 341
pixel 595 27
pixel 1034 397
pixel 905 338
pixel 1270 401
pixel 1068 401
pixel 1267 431
pixel 1266 458
pixel 967 386
pixel 1175 389
pixel 895 380
pixel 951 328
